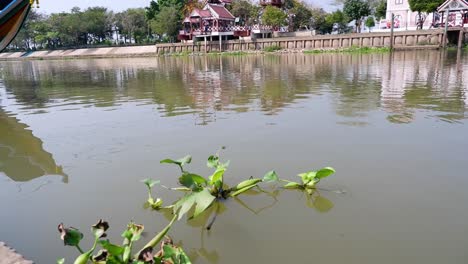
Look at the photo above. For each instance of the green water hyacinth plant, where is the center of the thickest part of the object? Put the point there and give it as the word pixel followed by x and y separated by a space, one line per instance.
pixel 122 254
pixel 309 180
pixel 202 192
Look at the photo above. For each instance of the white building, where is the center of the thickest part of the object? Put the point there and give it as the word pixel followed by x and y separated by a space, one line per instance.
pixel 405 19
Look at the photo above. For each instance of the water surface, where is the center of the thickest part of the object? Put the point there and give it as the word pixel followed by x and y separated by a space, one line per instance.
pixel 77 136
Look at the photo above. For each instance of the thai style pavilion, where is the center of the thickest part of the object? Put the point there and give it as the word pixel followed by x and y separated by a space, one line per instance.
pixel 456 11
pixel 213 20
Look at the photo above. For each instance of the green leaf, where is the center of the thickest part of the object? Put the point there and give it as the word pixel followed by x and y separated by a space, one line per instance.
pixel 308 176
pixel 292 185
pixel 325 172
pixel 150 183
pixel 181 162
pixel 201 200
pixel 270 177
pixel 168 251
pixel 61 261
pixel 191 181
pixel 114 250
pixel 236 193
pixel 217 175
pixel 212 162
pixel 70 236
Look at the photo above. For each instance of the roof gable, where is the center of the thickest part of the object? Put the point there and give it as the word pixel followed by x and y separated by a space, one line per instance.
pixel 219 11
pixel 454 5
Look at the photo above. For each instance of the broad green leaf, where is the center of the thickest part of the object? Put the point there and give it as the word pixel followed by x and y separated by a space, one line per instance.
pixel 150 183
pixel 181 162
pixel 169 161
pixel 191 181
pixel 61 261
pixel 212 161
pixel 236 193
pixel 217 176
pixel 325 172
pixel 168 251
pixel 292 185
pixel 114 250
pixel 203 201
pixel 184 259
pixel 322 204
pixel 70 236
pixel 270 177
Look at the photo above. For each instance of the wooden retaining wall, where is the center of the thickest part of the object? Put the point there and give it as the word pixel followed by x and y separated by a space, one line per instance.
pixel 401 39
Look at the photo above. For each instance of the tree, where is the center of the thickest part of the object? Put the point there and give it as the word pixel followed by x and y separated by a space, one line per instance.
pixel 301 15
pixel 274 16
pixel 380 10
pixel 167 22
pixel 132 24
pixel 338 20
pixel 245 10
pixel 370 23
pixel 424 7
pixel 356 10
pixel 317 21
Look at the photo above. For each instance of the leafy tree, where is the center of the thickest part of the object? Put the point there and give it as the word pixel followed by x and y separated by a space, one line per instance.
pixel 380 10
pixel 370 23
pixel 167 22
pixel 338 20
pixel 302 15
pixel 356 10
pixel 317 20
pixel 424 7
pixel 274 17
pixel 245 10
pixel 132 24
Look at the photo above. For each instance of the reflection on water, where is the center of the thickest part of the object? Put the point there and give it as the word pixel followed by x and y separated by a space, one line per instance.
pixel 398 84
pixel 22 157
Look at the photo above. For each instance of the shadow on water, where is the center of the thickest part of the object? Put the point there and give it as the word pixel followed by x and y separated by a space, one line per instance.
pixel 22 156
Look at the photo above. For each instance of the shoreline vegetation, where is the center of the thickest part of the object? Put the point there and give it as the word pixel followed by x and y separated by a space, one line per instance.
pixel 97 53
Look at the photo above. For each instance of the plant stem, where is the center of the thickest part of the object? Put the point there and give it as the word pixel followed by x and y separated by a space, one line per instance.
pixel 158 237
pixel 79 249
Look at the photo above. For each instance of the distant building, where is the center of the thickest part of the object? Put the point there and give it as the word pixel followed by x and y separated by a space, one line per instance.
pixel 407 20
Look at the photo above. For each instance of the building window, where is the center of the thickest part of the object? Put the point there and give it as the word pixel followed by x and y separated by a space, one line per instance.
pixel 398 2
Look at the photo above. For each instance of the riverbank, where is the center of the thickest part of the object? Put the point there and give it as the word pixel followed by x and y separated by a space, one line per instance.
pixel 8 255
pixel 364 42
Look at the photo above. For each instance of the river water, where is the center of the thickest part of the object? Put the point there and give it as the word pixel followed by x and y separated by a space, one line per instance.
pixel 77 136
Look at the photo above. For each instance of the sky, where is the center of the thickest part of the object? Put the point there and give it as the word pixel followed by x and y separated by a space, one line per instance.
pixel 55 6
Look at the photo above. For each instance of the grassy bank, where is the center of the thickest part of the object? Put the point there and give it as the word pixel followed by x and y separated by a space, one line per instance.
pixel 350 50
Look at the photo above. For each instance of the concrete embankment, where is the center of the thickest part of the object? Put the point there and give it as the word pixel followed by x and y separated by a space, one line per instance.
pixel 9 256
pixel 402 40
pixel 108 52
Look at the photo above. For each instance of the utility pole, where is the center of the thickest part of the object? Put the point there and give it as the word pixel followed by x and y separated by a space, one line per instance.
pixel 446 28
pixel 391 31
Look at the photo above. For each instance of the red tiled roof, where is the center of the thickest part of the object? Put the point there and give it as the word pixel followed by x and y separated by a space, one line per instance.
pixel 201 13
pixel 221 11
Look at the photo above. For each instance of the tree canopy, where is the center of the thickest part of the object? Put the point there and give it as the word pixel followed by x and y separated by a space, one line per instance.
pixel 356 10
pixel 274 17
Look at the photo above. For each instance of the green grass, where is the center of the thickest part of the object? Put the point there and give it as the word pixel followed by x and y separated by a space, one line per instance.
pixel 350 50
pixel 272 48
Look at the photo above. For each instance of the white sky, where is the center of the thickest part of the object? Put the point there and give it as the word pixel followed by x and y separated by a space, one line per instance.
pixel 54 6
